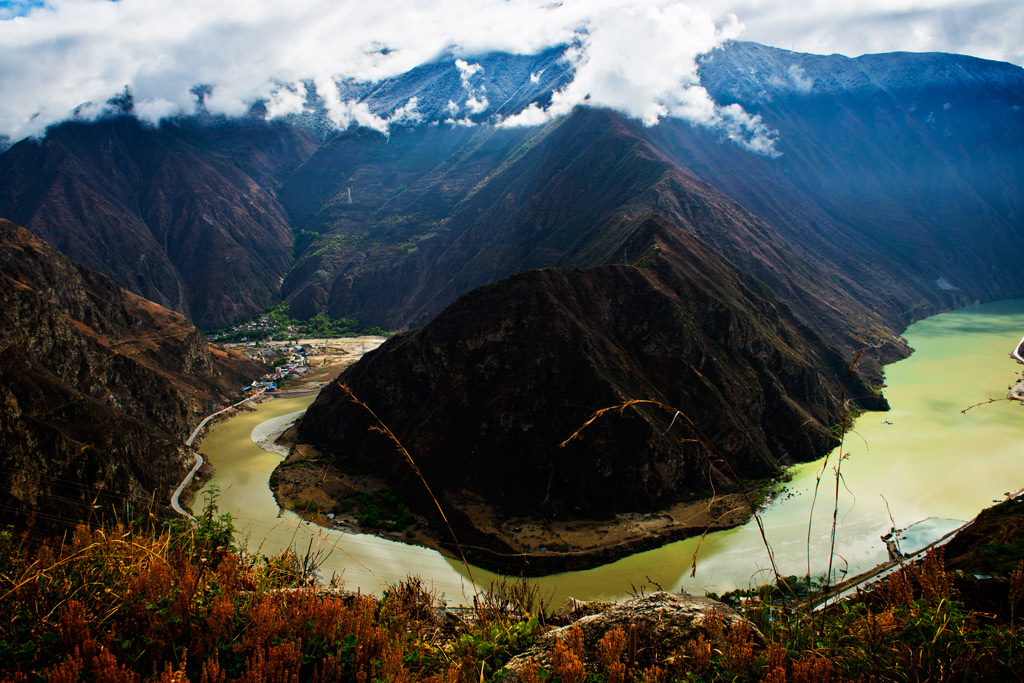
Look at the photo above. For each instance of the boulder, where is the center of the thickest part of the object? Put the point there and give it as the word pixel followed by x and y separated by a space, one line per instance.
pixel 664 624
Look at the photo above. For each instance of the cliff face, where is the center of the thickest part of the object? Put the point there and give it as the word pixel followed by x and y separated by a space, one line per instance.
pixel 98 387
pixel 484 394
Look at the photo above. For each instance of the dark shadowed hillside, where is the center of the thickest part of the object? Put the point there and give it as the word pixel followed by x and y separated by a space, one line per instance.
pixel 893 193
pixel 892 197
pixel 483 395
pixel 98 387
pixel 567 196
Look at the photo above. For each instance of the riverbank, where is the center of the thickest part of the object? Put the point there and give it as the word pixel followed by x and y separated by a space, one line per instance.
pixel 1016 391
pixel 926 459
pixel 184 496
pixel 310 485
pixel 326 359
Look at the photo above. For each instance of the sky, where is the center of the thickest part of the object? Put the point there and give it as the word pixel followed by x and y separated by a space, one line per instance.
pixel 60 58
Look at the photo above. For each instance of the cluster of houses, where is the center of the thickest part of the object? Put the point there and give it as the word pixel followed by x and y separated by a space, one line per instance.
pixel 293 367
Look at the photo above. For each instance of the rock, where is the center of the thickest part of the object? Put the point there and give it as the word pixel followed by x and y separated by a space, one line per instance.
pixel 573 610
pixel 521 365
pixel 1016 392
pixel 664 622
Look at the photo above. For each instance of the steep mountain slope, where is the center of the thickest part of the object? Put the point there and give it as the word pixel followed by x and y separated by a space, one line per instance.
pixel 484 88
pixel 184 215
pixel 895 190
pixel 562 197
pixel 907 161
pixel 896 187
pixel 483 395
pixel 364 203
pixel 98 387
pixel 895 193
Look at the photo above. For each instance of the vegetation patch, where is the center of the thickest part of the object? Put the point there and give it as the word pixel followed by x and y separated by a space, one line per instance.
pixel 278 324
pixel 173 602
pixel 379 509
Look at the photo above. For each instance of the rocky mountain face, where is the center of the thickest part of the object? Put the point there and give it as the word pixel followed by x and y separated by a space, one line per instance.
pixel 98 387
pixel 484 394
pixel 892 196
pixel 184 215
pixel 566 198
pixel 901 169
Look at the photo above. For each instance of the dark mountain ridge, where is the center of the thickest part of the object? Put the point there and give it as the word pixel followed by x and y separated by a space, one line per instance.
pixel 484 394
pixel 894 195
pixel 897 178
pixel 883 215
pixel 906 160
pixel 563 201
pixel 177 214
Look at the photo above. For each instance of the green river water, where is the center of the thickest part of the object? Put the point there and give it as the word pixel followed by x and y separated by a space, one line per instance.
pixel 931 463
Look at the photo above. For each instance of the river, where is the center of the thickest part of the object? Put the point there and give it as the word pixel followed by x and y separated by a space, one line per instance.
pixel 931 463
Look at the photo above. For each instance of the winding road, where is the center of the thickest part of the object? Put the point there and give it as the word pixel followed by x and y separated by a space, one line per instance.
pixel 175 503
pixel 852 586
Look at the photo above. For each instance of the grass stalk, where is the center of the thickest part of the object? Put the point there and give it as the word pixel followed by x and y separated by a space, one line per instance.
pixel 383 429
pixel 704 440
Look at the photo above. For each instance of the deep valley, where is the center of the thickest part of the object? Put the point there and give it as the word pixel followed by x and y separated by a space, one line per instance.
pixel 641 301
pixel 540 274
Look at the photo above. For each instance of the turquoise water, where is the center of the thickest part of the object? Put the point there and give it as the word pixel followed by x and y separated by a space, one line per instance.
pixel 933 461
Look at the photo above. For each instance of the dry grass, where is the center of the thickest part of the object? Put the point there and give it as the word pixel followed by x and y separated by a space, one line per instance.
pixel 174 604
pixel 177 603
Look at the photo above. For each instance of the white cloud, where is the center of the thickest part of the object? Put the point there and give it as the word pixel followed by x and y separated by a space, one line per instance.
pixel 476 98
pixel 284 100
pixel 637 56
pixel 531 116
pixel 466 71
pixel 642 60
pixel 984 28
pixel 69 52
pixel 800 80
pixel 153 110
pixel 475 106
pixel 407 113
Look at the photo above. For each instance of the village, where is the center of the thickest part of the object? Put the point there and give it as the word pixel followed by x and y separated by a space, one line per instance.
pixel 303 359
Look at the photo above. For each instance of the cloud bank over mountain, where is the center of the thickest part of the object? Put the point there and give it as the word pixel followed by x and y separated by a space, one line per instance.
pixel 989 29
pixel 66 58
pixel 72 55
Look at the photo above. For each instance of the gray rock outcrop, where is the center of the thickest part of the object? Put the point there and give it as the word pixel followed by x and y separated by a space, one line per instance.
pixel 664 624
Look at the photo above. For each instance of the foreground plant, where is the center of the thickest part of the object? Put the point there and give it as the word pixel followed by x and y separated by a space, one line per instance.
pixel 180 603
pixel 176 603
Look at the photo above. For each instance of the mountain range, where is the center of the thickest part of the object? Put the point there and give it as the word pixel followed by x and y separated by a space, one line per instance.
pixel 636 261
